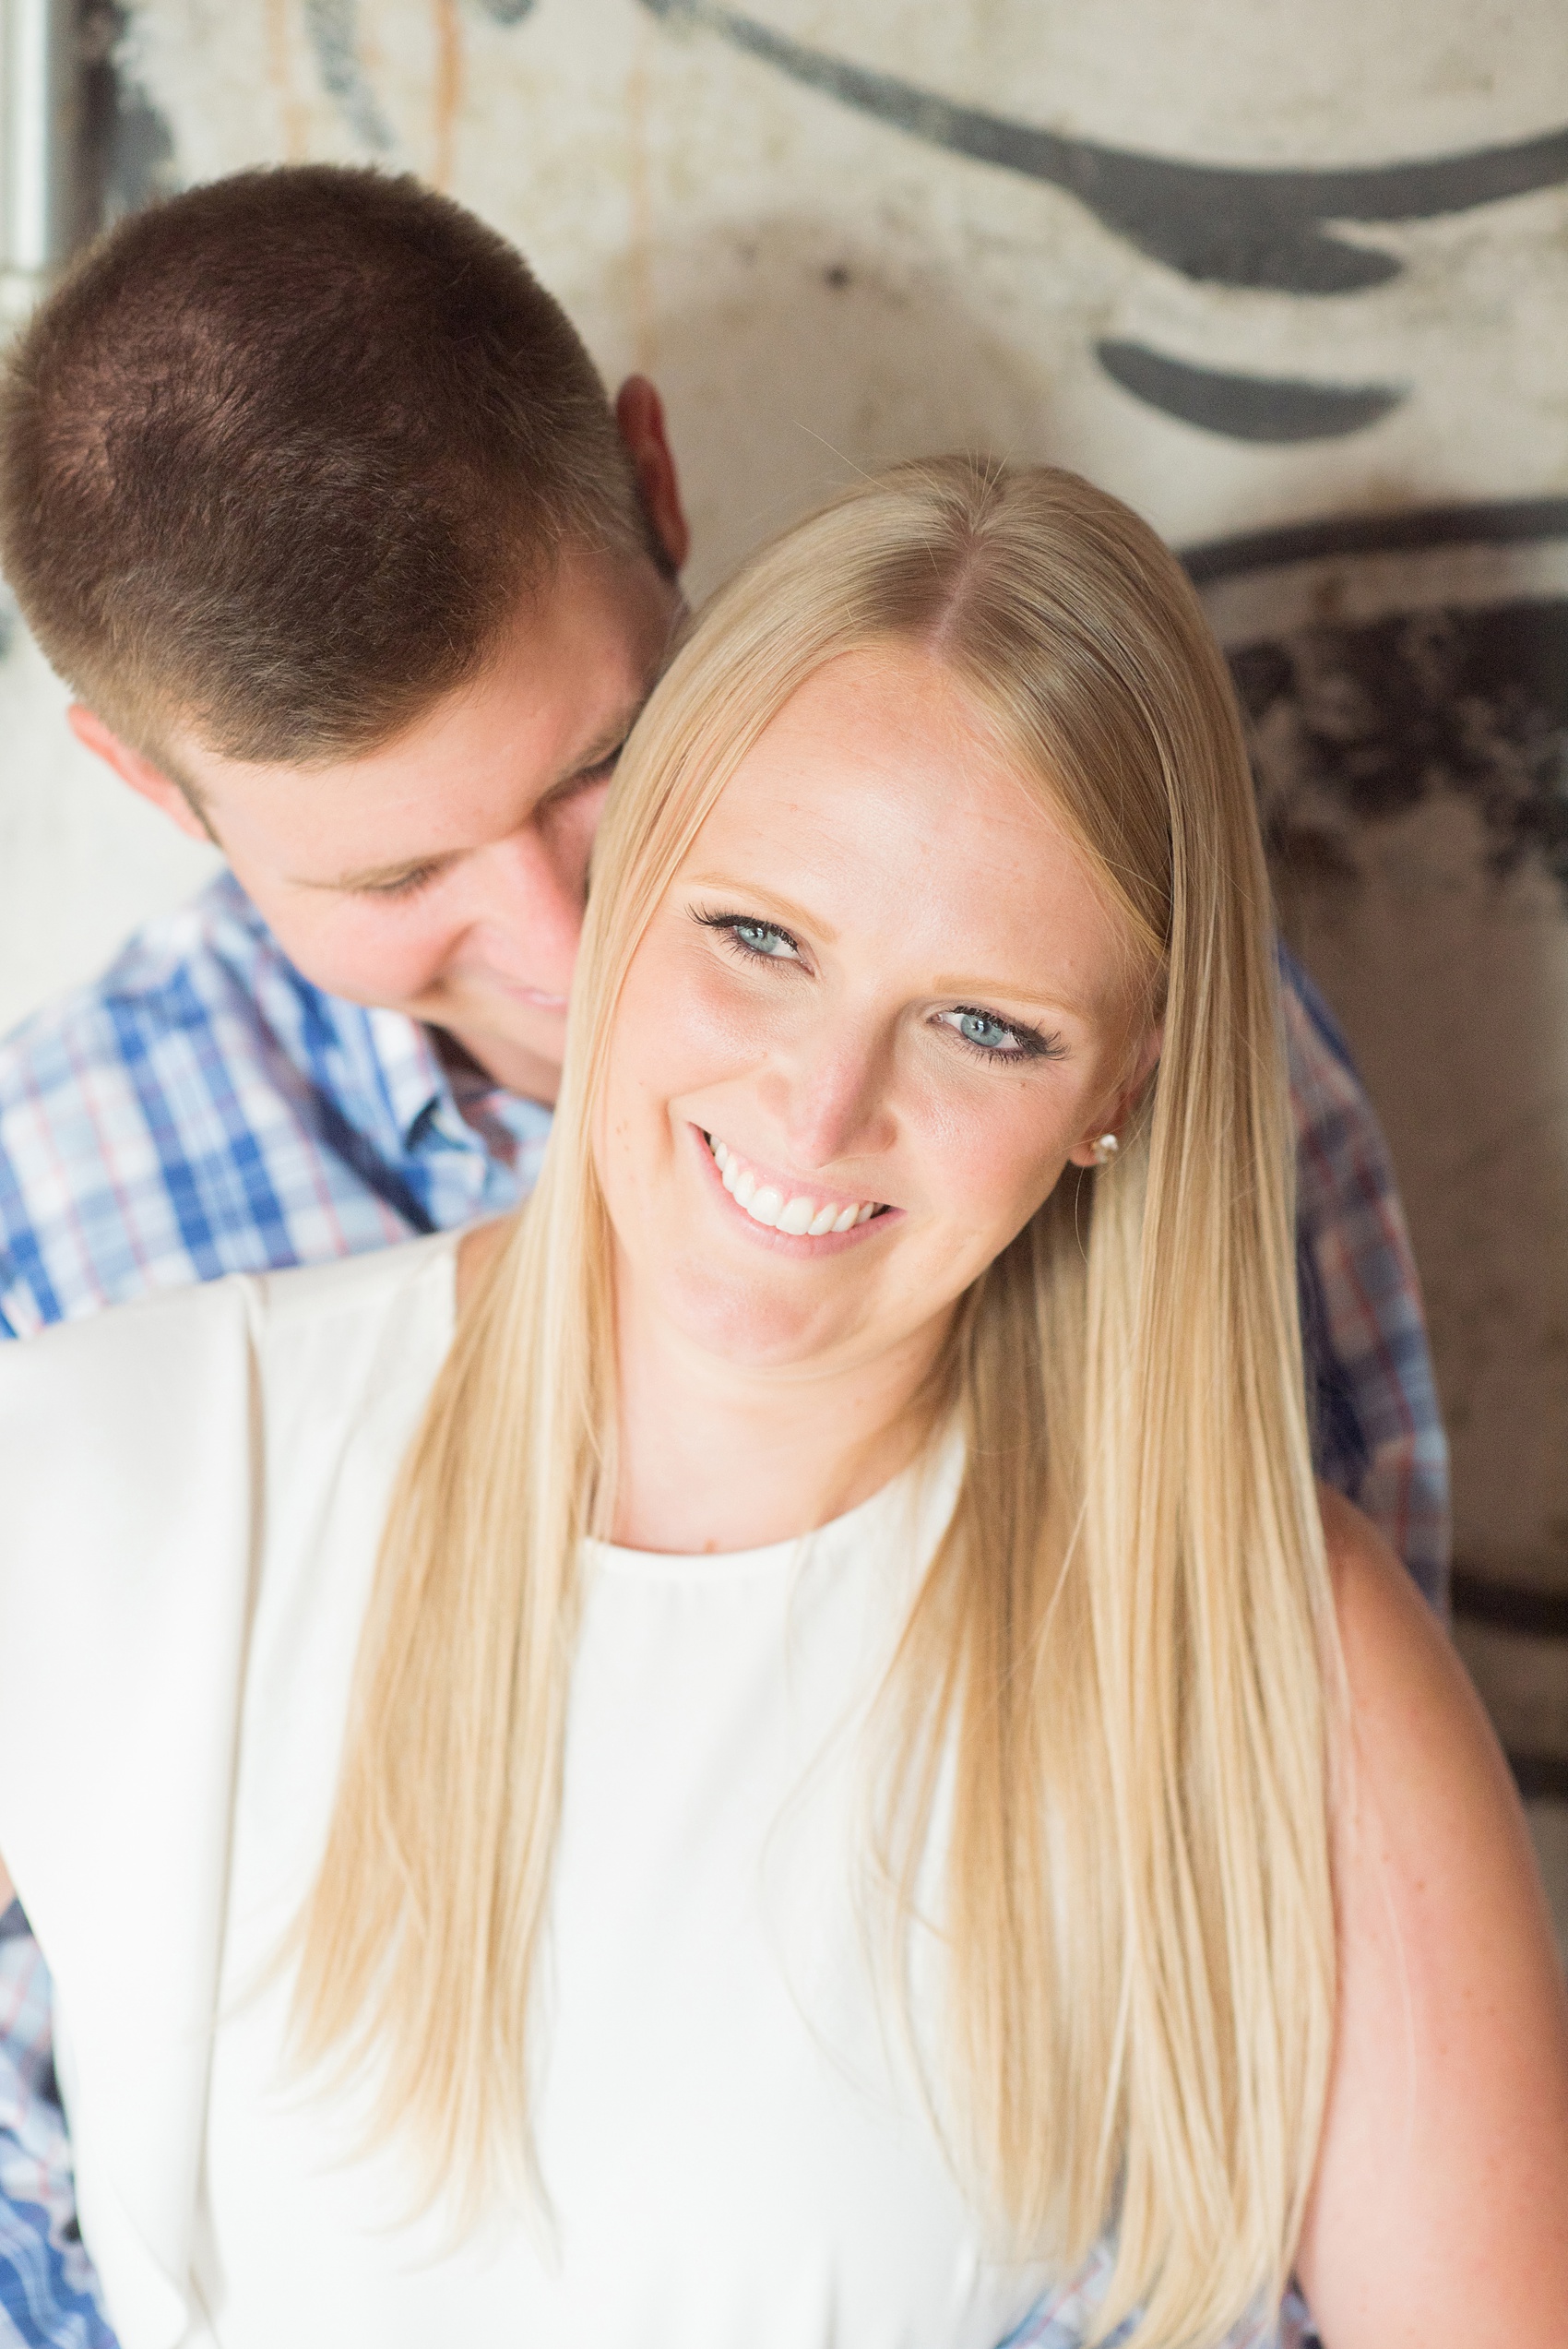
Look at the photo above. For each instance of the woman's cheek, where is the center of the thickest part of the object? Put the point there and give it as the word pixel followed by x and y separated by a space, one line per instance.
pixel 711 1020
pixel 996 1158
pixel 657 1049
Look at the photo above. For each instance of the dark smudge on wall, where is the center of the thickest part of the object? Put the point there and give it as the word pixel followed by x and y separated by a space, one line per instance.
pixel 1384 715
pixel 1356 721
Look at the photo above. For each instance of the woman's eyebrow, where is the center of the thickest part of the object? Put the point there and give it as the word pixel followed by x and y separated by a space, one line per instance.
pixel 1053 1006
pixel 748 894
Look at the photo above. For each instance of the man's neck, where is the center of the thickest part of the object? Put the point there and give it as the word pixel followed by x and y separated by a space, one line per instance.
pixel 512 1068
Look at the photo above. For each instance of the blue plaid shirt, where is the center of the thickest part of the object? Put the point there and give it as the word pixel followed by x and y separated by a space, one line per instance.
pixel 203 1109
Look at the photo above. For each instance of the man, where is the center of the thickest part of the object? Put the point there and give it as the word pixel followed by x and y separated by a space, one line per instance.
pixel 315 498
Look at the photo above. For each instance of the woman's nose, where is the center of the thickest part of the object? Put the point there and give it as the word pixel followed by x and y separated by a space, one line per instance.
pixel 832 1097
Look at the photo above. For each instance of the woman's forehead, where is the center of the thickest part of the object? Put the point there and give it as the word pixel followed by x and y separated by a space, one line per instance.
pixel 878 808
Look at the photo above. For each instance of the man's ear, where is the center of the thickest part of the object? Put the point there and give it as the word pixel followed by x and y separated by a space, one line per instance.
pixel 639 415
pixel 139 772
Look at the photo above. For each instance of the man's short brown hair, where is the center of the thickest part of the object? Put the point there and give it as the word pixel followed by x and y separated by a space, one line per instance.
pixel 280 457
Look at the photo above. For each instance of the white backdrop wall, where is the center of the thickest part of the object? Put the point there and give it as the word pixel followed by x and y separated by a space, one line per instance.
pixel 1250 265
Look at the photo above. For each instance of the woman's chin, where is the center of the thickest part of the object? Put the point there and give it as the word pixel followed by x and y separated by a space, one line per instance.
pixel 756 1321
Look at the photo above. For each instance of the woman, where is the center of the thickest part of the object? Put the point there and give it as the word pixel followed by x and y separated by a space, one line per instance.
pixel 859 1787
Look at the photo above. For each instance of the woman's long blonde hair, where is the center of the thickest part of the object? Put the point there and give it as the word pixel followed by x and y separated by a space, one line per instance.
pixel 1116 1662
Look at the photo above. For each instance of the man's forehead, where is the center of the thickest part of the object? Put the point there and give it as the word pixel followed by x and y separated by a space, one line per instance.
pixel 578 653
pixel 556 700
pixel 362 823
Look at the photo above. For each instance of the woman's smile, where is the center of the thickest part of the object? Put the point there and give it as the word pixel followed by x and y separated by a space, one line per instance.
pixel 790 1207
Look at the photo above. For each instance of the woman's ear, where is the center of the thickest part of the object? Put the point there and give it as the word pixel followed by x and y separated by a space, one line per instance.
pixel 1109 1128
pixel 148 781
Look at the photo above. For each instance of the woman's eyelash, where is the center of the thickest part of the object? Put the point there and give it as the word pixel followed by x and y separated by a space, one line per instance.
pixel 1028 1043
pixel 730 926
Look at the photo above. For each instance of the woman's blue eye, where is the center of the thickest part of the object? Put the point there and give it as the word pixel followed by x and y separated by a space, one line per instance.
pixel 989 1034
pixel 761 937
pixel 744 934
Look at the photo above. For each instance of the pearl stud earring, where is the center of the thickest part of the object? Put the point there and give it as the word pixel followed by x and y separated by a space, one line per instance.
pixel 1105 1150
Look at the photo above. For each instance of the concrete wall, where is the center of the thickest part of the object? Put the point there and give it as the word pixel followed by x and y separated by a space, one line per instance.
pixel 1289 279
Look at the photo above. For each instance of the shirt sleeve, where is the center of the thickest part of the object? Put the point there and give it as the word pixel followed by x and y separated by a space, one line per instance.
pixel 48 2297
pixel 126 1460
pixel 1064 2318
pixel 1377 1432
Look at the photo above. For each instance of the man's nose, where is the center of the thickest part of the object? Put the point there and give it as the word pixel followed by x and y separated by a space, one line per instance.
pixel 529 894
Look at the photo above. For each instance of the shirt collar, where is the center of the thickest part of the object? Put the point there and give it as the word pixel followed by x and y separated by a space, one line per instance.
pixel 392 1061
pixel 413 1079
pixel 421 1089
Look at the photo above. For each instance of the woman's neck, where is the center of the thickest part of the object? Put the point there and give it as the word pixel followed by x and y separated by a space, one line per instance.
pixel 714 1457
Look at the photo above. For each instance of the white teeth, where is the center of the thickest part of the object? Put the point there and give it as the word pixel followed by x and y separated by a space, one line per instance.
pixel 799 1215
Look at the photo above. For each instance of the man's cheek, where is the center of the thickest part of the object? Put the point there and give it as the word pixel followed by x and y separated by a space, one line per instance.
pixel 368 957
pixel 582 819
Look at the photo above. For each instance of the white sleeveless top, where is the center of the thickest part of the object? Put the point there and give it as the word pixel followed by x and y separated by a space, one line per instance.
pixel 733 2143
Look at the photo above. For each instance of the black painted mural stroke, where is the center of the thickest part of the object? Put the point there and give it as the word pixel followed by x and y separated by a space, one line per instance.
pixel 1245 406
pixel 1226 224
pixel 1216 223
pixel 333 27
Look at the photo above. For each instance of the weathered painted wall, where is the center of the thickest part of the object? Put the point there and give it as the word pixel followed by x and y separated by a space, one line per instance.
pixel 1250 265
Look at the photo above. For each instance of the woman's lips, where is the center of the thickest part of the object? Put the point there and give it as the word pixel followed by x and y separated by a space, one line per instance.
pixel 797 1210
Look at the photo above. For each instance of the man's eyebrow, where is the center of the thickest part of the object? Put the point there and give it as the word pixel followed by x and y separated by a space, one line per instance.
pixel 594 754
pixel 385 877
pixel 604 745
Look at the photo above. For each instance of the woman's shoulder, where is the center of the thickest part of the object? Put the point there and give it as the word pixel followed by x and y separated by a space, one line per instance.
pixel 1424 1806
pixel 1450 1998
pixel 160 1463
pixel 133 1447
pixel 391 1312
pixel 184 1334
pixel 1395 1649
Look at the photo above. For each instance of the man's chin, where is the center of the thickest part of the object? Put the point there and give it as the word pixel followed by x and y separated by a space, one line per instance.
pixel 516 1044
